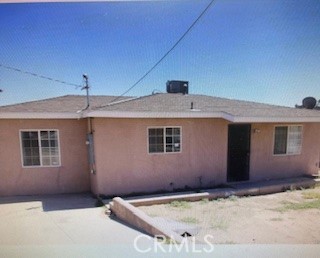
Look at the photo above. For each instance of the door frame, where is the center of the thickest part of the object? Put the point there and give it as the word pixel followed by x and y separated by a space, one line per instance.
pixel 246 173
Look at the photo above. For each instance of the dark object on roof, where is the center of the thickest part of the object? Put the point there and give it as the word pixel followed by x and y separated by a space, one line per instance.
pixel 178 87
pixel 309 102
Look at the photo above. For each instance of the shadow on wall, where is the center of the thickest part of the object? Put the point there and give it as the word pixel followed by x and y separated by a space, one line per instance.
pixel 54 202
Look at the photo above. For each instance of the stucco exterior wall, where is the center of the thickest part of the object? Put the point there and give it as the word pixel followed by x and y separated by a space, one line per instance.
pixel 124 165
pixel 265 165
pixel 72 176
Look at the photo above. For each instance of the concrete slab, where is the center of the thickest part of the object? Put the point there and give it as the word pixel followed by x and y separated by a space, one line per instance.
pixel 137 218
pixel 54 202
pixel 61 220
pixel 238 189
pixel 176 226
pixel 162 199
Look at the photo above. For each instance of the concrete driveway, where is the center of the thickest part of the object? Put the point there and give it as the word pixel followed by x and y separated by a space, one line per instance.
pixel 58 221
pixel 71 226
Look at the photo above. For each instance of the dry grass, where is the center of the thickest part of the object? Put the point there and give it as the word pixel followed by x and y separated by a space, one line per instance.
pixel 220 224
pixel 283 218
pixel 190 220
pixel 287 206
pixel 311 195
pixel 180 205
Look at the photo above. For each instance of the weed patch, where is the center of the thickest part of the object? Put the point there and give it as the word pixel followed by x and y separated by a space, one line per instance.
pixel 204 201
pixel 315 204
pixel 233 198
pixel 180 205
pixel 311 195
pixel 220 224
pixel 190 220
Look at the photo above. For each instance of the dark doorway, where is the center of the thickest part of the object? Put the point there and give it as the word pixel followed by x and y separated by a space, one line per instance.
pixel 238 152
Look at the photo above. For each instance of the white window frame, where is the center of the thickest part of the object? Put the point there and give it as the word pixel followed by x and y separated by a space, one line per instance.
pixel 274 135
pixel 40 152
pixel 164 135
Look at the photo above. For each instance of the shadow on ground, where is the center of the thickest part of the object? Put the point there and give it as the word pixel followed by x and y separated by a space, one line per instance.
pixel 55 202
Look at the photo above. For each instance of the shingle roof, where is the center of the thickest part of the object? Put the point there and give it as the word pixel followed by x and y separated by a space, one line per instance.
pixel 167 105
pixel 68 103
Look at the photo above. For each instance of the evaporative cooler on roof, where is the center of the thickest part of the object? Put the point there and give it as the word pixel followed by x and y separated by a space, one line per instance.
pixel 177 87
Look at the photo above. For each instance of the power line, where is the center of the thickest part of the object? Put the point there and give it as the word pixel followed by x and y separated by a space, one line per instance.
pixel 167 53
pixel 39 76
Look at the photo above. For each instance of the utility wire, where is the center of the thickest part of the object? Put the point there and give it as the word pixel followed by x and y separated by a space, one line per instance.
pixel 167 53
pixel 40 76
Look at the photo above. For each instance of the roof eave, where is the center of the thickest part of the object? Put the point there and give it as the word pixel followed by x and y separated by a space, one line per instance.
pixel 239 119
pixel 147 114
pixel 197 114
pixel 39 115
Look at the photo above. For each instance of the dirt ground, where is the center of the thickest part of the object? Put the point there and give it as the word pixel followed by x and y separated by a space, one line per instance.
pixel 291 217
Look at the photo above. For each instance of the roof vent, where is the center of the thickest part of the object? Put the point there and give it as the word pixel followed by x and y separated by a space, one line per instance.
pixel 178 87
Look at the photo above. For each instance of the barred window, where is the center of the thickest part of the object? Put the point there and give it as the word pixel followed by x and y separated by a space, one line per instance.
pixel 164 140
pixel 40 148
pixel 287 140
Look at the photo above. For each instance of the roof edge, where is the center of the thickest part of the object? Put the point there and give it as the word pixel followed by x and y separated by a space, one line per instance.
pixel 239 119
pixel 132 114
pixel 39 115
pixel 196 114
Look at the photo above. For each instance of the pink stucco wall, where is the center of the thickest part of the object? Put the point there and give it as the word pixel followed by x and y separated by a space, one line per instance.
pixel 71 176
pixel 265 165
pixel 124 165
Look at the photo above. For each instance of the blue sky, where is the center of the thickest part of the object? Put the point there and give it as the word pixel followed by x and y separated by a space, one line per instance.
pixel 265 51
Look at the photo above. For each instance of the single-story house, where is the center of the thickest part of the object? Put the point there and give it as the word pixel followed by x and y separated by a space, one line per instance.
pixel 159 142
